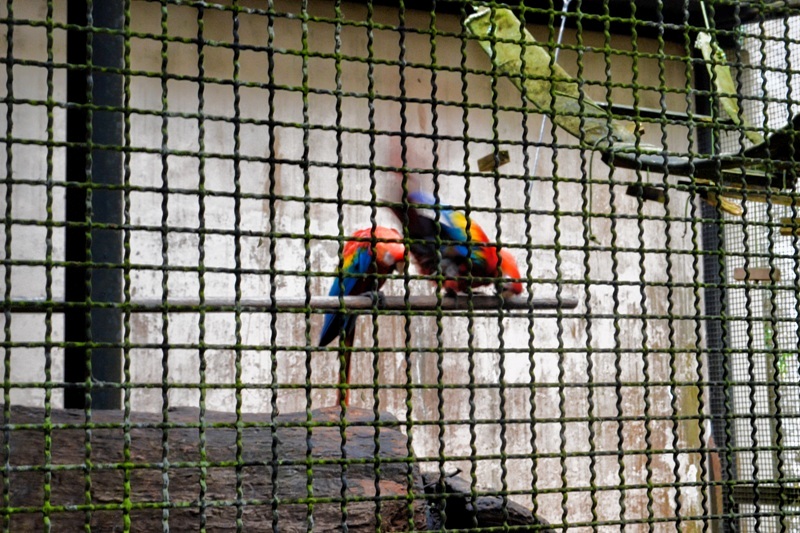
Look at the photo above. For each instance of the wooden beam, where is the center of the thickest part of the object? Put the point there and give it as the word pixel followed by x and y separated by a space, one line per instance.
pixel 757 274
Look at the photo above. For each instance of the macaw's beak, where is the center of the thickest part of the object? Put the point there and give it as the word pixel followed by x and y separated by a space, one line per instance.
pixel 400 267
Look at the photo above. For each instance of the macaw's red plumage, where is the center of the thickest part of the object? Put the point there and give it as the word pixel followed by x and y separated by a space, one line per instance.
pixel 468 259
pixel 371 252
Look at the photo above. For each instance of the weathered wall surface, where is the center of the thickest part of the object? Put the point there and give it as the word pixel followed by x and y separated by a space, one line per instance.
pixel 27 241
pixel 563 378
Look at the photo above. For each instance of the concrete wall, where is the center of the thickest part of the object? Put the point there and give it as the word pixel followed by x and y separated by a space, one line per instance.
pixel 636 323
pixel 33 210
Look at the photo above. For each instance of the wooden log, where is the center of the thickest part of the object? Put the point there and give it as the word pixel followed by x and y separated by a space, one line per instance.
pixel 173 492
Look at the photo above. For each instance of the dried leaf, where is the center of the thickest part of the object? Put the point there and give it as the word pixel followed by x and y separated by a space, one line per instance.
pixel 490 161
pixel 725 205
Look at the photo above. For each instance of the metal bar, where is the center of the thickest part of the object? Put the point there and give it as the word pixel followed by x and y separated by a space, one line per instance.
pixel 75 320
pixel 100 202
pixel 714 296
pixel 106 246
pixel 482 302
pixel 768 493
pixel 650 112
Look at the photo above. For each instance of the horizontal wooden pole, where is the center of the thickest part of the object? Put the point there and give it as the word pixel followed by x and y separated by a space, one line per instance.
pixel 757 274
pixel 477 302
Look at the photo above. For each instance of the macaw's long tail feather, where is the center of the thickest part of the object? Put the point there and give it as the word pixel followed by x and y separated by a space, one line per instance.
pixel 334 322
pixel 344 355
pixel 331 329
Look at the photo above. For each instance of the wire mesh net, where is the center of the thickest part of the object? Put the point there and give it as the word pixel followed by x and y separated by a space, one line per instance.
pixel 399 265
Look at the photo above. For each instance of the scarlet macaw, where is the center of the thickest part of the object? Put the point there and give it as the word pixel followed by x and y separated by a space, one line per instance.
pixel 461 255
pixel 357 276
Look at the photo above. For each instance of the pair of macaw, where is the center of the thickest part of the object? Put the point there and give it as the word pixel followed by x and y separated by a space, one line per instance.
pixel 465 258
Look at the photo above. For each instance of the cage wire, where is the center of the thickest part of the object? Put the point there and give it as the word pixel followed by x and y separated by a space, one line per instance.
pixel 763 321
pixel 260 265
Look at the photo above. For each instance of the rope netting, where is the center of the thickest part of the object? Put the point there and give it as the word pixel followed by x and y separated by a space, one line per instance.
pixel 300 264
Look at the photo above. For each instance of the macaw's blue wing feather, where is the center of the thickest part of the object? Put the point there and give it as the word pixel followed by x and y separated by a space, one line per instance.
pixel 454 226
pixel 421 197
pixel 355 265
pixel 462 241
pixel 452 223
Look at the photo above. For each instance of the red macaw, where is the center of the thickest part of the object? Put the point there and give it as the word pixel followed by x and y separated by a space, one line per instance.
pixel 461 255
pixel 359 264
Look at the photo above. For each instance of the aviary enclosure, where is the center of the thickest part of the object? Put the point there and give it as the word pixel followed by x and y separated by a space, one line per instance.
pixel 314 265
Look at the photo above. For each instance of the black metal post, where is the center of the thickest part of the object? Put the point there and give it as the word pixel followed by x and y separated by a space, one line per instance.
pixel 714 293
pixel 94 203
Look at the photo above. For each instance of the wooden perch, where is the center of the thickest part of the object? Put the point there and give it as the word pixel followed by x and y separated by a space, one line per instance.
pixel 646 192
pixel 756 274
pixel 790 226
pixel 72 503
pixel 477 302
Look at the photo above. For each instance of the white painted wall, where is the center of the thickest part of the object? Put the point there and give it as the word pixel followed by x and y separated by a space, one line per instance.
pixel 25 229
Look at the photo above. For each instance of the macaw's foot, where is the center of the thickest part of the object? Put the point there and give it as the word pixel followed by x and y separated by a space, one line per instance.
pixel 450 292
pixel 503 290
pixel 378 299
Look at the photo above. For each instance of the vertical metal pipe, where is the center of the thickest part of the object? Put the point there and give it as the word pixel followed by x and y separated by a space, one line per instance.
pixel 75 321
pixel 714 294
pixel 94 199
